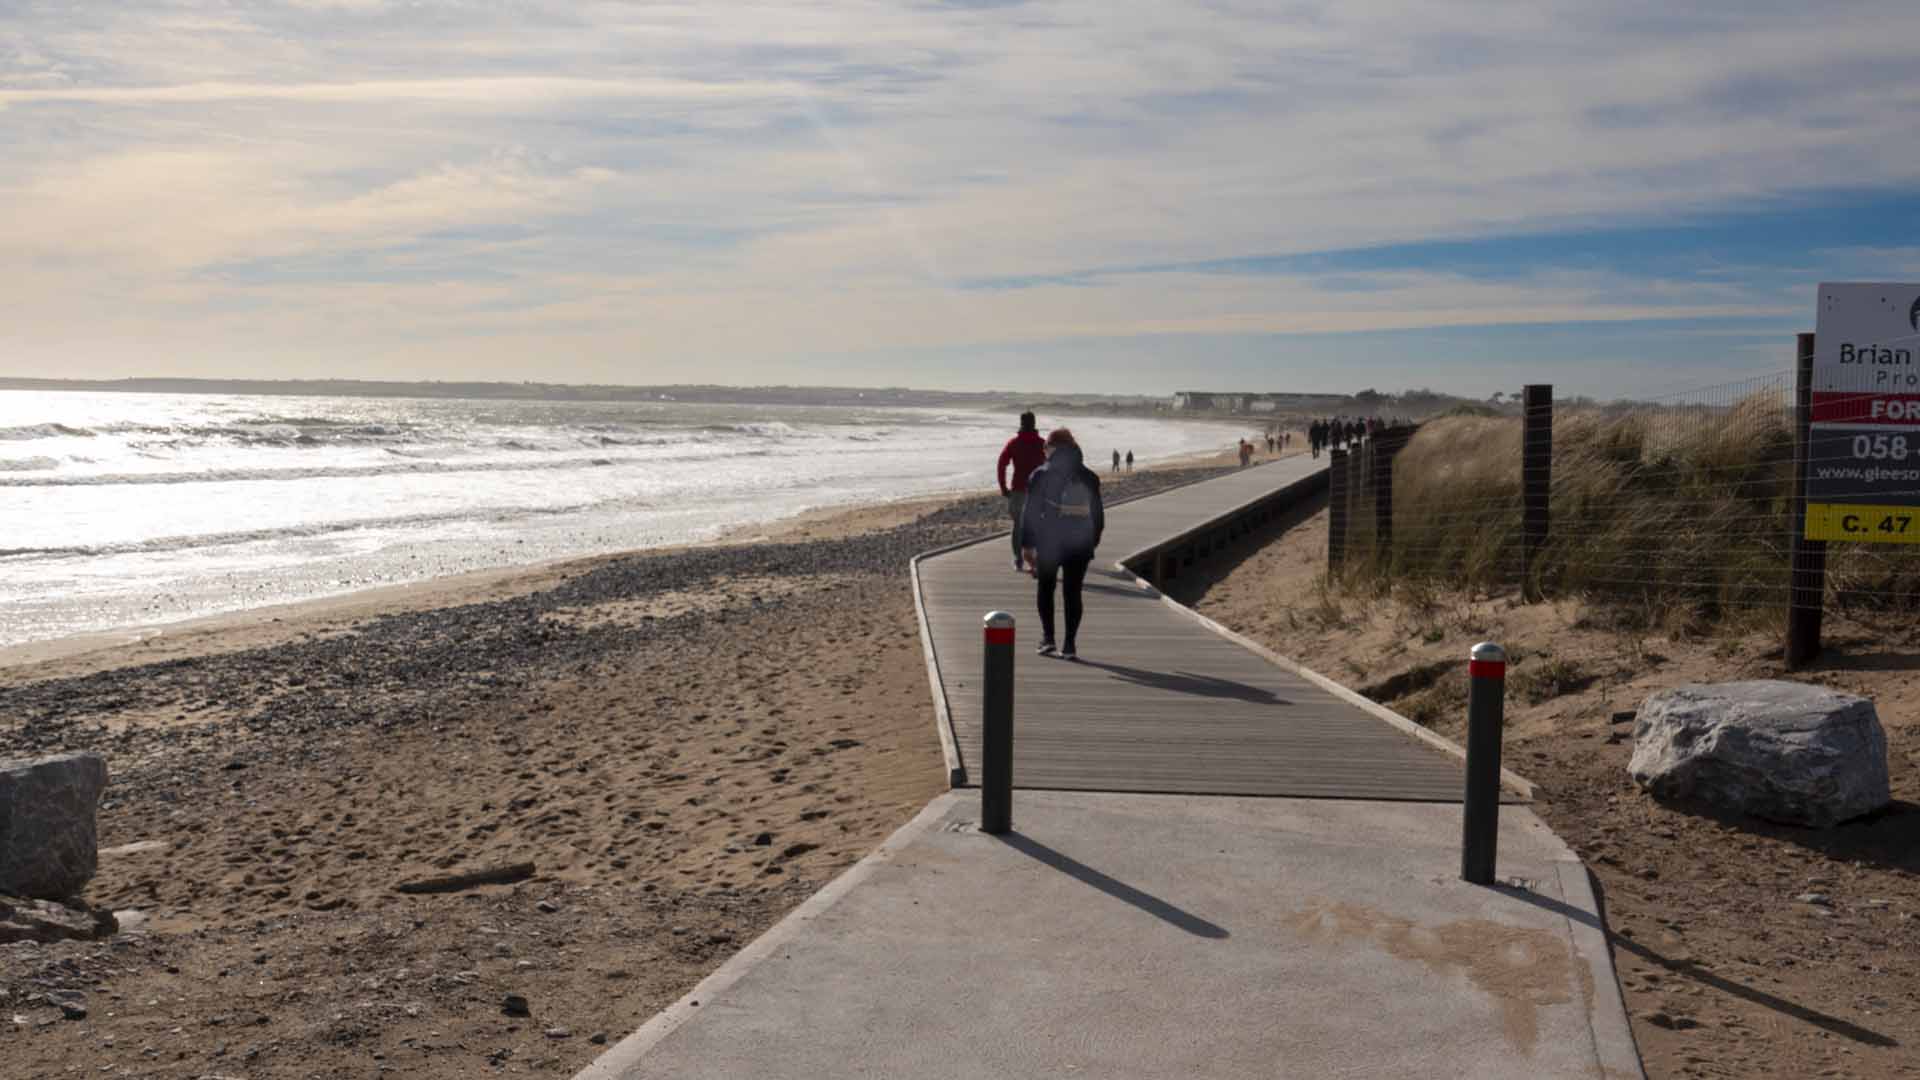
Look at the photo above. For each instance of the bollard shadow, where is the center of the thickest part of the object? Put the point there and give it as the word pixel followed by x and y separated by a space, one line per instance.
pixel 1119 890
pixel 1843 1028
pixel 1181 682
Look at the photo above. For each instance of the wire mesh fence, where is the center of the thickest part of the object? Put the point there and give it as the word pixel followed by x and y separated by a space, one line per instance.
pixel 1684 499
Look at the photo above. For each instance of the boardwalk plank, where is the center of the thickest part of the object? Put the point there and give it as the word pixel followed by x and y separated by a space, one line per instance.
pixel 1161 703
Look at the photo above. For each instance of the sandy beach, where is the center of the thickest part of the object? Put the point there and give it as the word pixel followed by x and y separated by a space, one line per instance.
pixel 685 743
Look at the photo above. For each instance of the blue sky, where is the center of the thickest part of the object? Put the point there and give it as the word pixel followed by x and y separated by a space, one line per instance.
pixel 1621 198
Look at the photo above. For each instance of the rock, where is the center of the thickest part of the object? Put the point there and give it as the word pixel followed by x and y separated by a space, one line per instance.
pixel 1815 898
pixel 598 1038
pixel 547 906
pixel 559 1033
pixel 45 921
pixel 1782 751
pixel 48 841
pixel 515 1005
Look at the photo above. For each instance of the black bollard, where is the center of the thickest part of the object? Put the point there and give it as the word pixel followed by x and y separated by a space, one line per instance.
pixel 1486 702
pixel 996 724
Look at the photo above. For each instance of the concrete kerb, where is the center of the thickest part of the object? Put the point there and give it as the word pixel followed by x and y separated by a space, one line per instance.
pixel 1613 1042
pixel 626 1054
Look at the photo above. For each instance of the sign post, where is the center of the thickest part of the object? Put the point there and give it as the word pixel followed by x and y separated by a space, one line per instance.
pixel 1863 447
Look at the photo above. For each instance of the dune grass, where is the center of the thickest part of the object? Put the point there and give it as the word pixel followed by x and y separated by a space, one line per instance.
pixel 1683 511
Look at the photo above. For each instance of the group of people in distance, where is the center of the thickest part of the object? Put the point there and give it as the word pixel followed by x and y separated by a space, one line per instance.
pixel 1058 518
pixel 1276 444
pixel 1343 432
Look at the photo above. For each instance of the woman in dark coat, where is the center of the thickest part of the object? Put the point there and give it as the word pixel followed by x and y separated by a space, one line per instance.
pixel 1059 530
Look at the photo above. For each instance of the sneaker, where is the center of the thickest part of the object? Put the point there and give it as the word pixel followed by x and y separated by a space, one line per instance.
pixel 1069 653
pixel 1046 648
pixel 1019 566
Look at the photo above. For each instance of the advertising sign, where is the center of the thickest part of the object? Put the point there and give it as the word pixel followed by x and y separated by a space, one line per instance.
pixel 1863 455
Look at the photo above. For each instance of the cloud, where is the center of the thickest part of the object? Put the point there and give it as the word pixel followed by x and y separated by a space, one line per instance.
pixel 792 180
pixel 501 93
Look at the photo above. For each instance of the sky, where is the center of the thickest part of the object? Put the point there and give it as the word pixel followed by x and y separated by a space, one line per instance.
pixel 1619 198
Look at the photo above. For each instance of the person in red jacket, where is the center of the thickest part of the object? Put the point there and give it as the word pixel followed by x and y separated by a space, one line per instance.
pixel 1026 451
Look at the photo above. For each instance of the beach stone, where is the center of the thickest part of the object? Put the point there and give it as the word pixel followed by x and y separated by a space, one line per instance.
pixel 1782 751
pixel 48 838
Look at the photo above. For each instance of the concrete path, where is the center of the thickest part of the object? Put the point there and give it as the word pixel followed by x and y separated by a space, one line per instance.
pixel 1123 936
pixel 1118 934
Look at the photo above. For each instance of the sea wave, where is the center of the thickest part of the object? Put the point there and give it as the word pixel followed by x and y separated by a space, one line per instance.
pixel 298 532
pixel 32 464
pixel 41 431
pixel 414 467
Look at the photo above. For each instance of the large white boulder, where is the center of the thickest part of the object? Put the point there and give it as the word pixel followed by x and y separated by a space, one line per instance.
pixel 1783 751
pixel 48 838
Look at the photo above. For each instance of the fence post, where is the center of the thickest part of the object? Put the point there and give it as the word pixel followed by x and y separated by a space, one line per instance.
pixel 1336 510
pixel 996 722
pixel 1357 485
pixel 1808 588
pixel 1388 443
pixel 1486 701
pixel 1383 450
pixel 1536 480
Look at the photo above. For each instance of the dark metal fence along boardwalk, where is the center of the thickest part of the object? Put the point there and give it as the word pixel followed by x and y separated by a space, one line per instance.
pixel 1158 702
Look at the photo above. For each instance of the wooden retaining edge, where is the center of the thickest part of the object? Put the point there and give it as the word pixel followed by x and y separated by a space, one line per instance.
pixel 942 711
pixel 1309 484
pixel 1519 785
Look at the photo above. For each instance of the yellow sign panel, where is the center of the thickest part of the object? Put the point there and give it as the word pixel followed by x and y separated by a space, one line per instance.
pixel 1864 524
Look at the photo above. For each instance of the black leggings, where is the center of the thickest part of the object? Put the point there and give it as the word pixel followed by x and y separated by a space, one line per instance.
pixel 1074 574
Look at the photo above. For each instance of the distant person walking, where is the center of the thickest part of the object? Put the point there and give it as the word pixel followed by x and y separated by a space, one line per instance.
pixel 1059 531
pixel 1246 453
pixel 1116 461
pixel 1025 452
pixel 1129 461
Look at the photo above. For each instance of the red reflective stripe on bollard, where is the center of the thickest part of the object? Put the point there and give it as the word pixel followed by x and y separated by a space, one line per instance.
pixel 1481 669
pixel 998 636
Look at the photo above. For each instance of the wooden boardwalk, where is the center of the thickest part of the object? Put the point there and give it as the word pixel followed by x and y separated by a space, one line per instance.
pixel 1158 702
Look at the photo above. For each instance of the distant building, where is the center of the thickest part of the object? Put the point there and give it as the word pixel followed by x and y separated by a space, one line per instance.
pixel 1195 401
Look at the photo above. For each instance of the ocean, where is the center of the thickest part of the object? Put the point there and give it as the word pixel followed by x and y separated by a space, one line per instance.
pixel 120 510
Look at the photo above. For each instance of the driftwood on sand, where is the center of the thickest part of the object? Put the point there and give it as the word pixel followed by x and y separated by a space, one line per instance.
pixel 497 875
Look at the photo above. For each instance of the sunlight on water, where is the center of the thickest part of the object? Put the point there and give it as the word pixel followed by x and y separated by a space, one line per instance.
pixel 121 509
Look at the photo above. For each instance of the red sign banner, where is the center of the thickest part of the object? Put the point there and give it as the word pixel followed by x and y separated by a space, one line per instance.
pixel 1865 407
